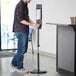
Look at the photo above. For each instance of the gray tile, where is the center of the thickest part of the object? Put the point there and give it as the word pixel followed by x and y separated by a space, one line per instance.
pixel 30 62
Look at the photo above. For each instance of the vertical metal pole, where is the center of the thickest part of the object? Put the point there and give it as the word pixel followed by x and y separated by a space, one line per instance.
pixel 38 61
pixel 38 50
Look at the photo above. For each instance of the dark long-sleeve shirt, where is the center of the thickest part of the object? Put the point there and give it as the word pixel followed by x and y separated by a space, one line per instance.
pixel 21 13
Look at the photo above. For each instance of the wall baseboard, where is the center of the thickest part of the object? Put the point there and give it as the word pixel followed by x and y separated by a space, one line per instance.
pixel 47 54
pixel 43 53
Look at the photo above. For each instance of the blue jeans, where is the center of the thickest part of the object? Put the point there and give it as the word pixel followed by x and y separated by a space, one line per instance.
pixel 22 49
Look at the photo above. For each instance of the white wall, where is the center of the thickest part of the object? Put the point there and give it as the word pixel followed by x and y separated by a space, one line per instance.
pixel 56 11
pixel 60 10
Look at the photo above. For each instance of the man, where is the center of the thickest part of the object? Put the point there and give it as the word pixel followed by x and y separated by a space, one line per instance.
pixel 21 29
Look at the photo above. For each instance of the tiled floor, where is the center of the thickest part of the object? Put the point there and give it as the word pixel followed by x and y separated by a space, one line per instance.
pixel 30 62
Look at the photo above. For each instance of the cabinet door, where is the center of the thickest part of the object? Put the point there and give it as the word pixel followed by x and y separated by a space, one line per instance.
pixel 66 48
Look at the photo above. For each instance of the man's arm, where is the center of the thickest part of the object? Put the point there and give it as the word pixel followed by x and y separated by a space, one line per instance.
pixel 30 23
pixel 26 22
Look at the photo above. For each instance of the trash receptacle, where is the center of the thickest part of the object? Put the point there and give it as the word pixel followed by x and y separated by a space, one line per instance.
pixel 73 20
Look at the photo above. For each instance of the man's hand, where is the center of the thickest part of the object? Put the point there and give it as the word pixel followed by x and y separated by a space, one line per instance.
pixel 30 23
pixel 36 25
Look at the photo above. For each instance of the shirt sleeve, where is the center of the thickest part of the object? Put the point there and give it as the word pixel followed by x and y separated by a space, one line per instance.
pixel 19 14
